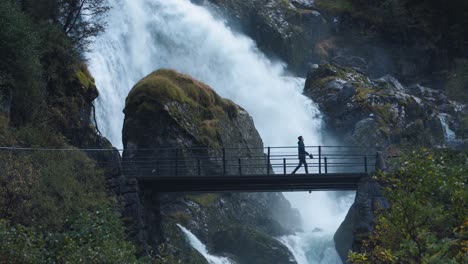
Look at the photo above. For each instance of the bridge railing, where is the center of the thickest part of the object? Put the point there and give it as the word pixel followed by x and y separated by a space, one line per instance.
pixel 171 162
pixel 241 161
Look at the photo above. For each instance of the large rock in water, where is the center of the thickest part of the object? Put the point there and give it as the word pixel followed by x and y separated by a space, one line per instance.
pixel 167 109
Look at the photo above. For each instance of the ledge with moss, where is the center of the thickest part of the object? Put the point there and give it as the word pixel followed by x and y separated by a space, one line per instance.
pixel 381 112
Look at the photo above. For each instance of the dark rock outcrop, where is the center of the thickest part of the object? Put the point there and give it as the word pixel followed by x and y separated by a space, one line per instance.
pixel 381 112
pixel 171 110
pixel 359 222
pixel 288 30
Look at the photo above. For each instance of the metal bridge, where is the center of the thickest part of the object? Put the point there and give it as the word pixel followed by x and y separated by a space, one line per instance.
pixel 253 169
pixel 225 169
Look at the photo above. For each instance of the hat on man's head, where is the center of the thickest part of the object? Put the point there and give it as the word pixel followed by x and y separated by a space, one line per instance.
pixel 299 137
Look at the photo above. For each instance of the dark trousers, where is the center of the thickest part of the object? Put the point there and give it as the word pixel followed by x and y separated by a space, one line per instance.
pixel 302 160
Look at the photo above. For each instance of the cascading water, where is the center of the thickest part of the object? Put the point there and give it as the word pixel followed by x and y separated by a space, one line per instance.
pixel 201 248
pixel 144 35
pixel 449 135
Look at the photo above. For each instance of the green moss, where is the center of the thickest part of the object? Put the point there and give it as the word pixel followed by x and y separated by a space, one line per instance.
pixel 385 113
pixel 85 78
pixel 164 85
pixel 190 102
pixel 205 200
pixel 361 96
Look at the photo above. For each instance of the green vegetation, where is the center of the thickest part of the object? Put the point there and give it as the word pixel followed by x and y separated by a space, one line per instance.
pixel 457 86
pixel 92 237
pixel 19 67
pixel 54 207
pixel 427 220
pixel 79 20
pixel 57 211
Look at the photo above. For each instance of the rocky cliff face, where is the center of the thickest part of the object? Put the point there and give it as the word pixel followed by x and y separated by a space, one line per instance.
pixel 66 113
pixel 360 219
pixel 385 114
pixel 171 110
pixel 382 112
pixel 288 30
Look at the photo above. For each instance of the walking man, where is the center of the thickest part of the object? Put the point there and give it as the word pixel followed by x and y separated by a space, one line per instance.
pixel 302 155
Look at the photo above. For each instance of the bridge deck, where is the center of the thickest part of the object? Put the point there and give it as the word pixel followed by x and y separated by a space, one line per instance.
pixel 251 183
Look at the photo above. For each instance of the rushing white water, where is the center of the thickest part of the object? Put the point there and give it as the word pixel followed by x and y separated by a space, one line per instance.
pixel 201 248
pixel 311 247
pixel 321 216
pixel 144 35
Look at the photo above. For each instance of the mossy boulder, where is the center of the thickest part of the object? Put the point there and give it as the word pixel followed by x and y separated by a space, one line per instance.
pixel 192 105
pixel 379 112
pixel 168 110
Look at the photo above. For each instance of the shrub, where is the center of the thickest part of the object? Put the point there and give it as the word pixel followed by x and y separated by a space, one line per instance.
pixel 426 222
pixel 54 208
pixel 91 237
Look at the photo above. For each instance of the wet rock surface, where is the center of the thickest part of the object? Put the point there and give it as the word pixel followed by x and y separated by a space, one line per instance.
pixel 287 30
pixel 382 112
pixel 359 221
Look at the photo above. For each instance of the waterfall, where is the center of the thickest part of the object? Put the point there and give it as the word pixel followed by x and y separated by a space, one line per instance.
pixel 144 35
pixel 201 248
pixel 321 215
pixel 449 135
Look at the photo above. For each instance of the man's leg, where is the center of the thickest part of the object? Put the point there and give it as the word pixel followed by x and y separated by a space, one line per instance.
pixel 305 166
pixel 298 166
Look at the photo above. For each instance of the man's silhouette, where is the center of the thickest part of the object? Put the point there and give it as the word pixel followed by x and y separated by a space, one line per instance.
pixel 302 155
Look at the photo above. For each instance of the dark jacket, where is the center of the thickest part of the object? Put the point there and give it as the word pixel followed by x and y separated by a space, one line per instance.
pixel 301 149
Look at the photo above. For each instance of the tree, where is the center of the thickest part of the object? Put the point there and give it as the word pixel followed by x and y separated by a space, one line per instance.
pixel 20 67
pixel 80 20
pixel 427 220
